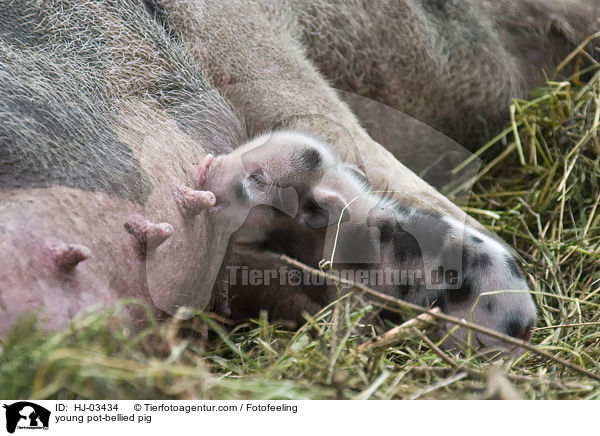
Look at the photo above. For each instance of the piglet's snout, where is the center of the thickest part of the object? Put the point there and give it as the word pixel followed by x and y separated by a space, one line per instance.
pixel 519 325
pixel 493 291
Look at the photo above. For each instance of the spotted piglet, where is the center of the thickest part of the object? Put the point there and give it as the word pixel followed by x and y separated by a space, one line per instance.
pixel 287 192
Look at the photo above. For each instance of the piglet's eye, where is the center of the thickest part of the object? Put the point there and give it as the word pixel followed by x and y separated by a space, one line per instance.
pixel 258 179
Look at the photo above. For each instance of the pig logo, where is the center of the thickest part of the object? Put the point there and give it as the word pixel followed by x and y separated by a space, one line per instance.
pixel 26 415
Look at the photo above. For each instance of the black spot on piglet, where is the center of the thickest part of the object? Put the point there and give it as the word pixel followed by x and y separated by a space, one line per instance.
pixel 476 240
pixel 517 327
pixel 478 260
pixel 406 245
pixel 513 267
pixel 462 294
pixel 310 159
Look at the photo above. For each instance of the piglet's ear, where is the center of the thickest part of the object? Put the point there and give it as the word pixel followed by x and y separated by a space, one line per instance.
pixel 325 209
